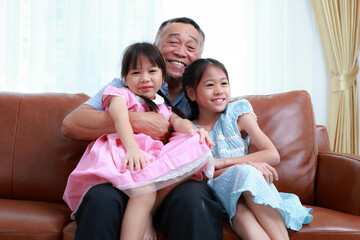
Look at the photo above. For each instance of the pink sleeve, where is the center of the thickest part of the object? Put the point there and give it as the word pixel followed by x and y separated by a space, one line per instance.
pixel 111 91
pixel 165 111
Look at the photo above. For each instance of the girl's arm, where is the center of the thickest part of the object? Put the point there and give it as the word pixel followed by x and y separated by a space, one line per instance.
pixel 263 159
pixel 120 116
pixel 185 126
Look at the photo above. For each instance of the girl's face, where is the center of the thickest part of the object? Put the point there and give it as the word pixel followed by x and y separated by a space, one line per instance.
pixel 145 80
pixel 213 92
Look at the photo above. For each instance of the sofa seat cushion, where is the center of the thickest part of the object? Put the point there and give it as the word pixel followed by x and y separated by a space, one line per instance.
pixel 69 231
pixel 20 219
pixel 329 225
pixel 326 225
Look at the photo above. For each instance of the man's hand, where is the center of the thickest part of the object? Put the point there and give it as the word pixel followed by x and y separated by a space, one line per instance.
pixel 152 124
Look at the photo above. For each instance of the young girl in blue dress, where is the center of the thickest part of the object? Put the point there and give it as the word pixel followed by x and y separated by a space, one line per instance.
pixel 243 183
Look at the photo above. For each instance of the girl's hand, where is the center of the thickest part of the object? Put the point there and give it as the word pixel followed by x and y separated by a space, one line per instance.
pixel 204 135
pixel 269 173
pixel 135 159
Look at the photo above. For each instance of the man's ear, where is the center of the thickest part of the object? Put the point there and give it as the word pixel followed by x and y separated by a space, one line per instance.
pixel 191 93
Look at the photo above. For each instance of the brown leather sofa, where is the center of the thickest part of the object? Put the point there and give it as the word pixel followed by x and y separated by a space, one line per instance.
pixel 36 159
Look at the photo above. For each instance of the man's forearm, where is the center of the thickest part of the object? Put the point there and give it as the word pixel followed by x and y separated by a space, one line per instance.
pixel 86 124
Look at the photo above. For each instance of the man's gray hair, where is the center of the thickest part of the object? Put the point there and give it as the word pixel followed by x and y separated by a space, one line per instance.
pixel 165 25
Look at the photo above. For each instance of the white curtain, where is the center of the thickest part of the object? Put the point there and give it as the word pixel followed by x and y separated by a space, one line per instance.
pixel 268 46
pixel 69 45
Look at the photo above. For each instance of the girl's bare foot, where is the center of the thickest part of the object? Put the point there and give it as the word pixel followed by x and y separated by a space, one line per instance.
pixel 150 232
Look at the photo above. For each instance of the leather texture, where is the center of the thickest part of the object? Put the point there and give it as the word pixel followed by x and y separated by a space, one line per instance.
pixel 36 159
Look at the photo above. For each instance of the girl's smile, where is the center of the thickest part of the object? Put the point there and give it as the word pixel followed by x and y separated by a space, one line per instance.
pixel 218 101
pixel 213 92
pixel 146 88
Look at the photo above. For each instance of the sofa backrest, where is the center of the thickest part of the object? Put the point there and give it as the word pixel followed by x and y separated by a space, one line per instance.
pixel 288 120
pixel 35 158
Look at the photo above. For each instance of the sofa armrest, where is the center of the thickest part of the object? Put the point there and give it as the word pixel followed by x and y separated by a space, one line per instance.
pixel 338 182
pixel 322 139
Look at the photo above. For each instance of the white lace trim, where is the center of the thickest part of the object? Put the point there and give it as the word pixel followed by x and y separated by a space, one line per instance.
pixel 249 112
pixel 171 177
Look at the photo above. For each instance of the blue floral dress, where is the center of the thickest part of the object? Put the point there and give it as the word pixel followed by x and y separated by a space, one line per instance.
pixel 239 178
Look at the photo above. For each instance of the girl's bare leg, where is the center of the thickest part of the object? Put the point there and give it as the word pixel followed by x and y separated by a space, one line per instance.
pixel 150 233
pixel 137 214
pixel 269 218
pixel 245 223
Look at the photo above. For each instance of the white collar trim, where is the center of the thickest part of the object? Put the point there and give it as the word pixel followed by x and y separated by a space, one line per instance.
pixel 158 99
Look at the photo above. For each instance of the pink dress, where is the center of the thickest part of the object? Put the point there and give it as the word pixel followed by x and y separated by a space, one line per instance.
pixel 183 156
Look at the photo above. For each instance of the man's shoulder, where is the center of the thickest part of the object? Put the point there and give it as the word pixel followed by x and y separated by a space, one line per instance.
pixel 116 82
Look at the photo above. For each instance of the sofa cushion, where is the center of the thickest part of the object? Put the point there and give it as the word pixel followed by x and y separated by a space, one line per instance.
pixel 32 219
pixel 9 105
pixel 38 158
pixel 69 231
pixel 288 120
pixel 328 224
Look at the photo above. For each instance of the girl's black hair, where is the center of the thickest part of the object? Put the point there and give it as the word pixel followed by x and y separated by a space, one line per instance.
pixel 192 76
pixel 152 53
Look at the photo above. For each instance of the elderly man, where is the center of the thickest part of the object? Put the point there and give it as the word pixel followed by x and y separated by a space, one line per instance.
pixel 190 211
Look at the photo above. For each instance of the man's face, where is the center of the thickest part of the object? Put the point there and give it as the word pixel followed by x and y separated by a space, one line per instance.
pixel 179 46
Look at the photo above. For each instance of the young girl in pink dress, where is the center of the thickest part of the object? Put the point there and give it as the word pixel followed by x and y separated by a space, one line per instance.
pixel 145 169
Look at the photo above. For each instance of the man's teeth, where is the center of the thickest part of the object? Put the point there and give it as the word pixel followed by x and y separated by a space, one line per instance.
pixel 178 63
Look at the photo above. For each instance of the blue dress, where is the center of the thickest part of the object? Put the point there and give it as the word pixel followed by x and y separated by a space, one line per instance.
pixel 239 178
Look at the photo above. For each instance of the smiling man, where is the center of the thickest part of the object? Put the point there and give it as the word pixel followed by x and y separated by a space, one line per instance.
pixel 190 210
pixel 180 44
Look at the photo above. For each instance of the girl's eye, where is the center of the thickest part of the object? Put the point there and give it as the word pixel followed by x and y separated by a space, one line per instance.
pixel 135 73
pixel 224 83
pixel 209 85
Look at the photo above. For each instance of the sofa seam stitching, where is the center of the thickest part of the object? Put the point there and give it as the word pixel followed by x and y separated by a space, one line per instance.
pixel 14 145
